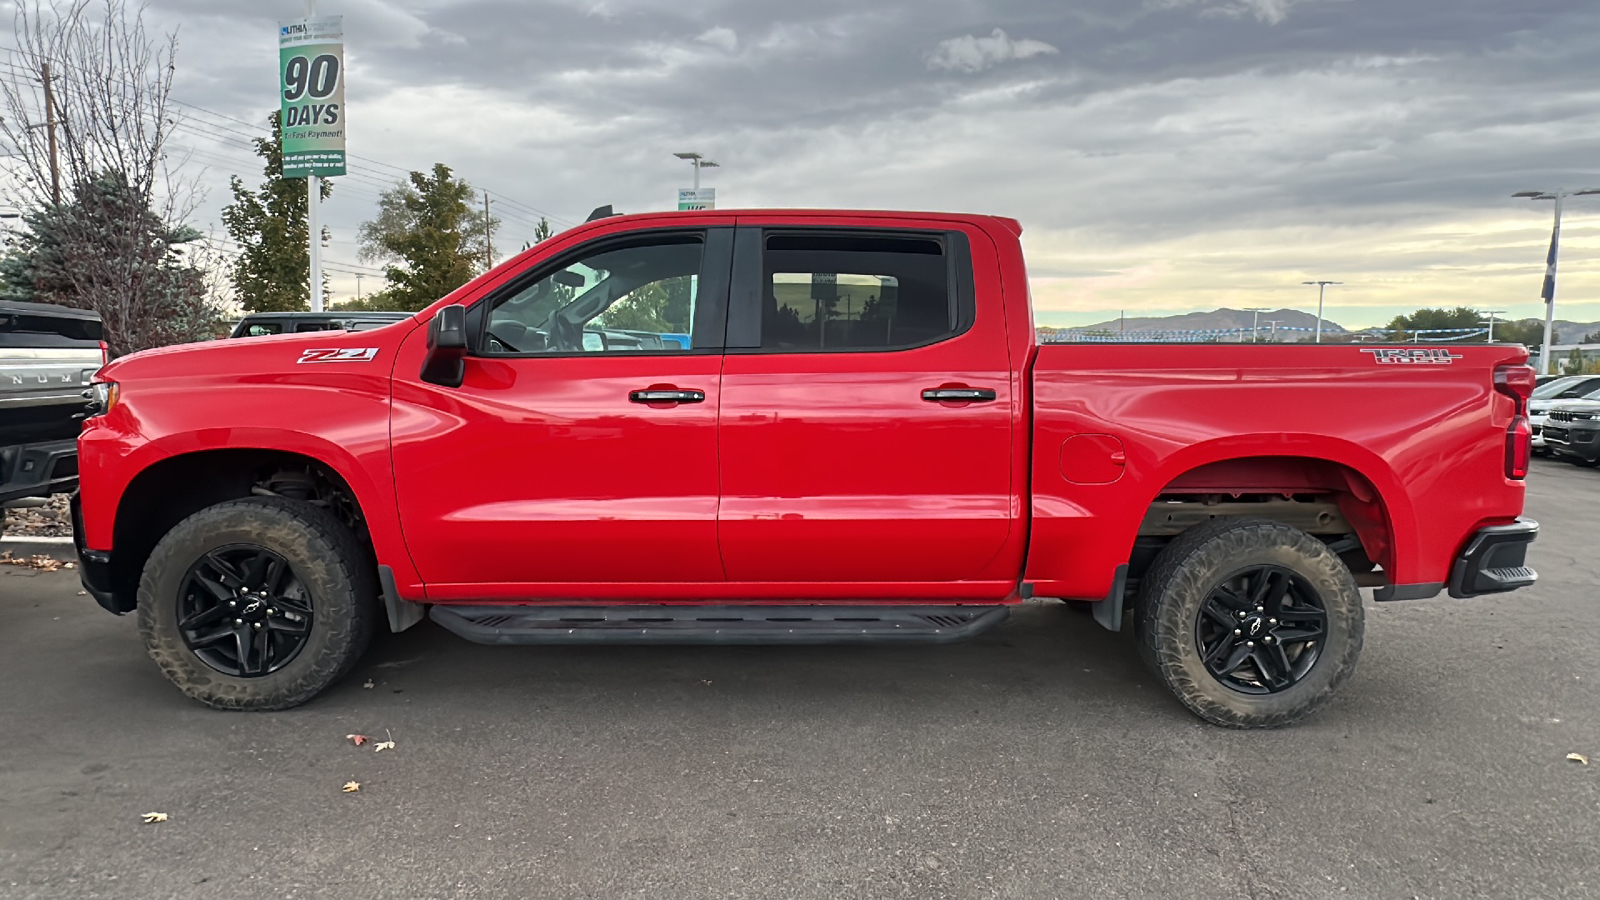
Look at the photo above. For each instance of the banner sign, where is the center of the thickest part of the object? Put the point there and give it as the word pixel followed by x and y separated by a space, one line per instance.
pixel 311 87
pixel 697 198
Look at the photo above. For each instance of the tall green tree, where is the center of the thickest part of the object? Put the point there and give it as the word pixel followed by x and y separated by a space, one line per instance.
pixel 1404 327
pixel 431 233
pixel 272 269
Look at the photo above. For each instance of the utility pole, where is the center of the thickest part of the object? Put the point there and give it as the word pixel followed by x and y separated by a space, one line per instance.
pixel 50 129
pixel 1549 292
pixel 488 236
pixel 1322 287
pixel 1491 314
pixel 359 276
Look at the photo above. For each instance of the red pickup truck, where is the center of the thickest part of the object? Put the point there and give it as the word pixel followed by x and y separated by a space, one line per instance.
pixel 789 426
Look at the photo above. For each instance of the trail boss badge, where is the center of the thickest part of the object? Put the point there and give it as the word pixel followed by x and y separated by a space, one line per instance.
pixel 1408 356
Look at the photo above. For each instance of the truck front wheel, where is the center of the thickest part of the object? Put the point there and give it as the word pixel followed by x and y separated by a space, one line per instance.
pixel 1251 623
pixel 257 604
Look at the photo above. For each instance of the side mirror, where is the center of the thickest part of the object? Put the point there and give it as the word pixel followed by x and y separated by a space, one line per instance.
pixel 445 363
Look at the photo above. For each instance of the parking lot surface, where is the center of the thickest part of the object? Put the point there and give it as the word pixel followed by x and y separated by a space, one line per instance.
pixel 1040 760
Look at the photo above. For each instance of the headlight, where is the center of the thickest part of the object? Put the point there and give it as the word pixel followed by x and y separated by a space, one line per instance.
pixel 102 397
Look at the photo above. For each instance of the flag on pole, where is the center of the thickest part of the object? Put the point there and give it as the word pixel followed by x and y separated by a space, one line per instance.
pixel 1549 292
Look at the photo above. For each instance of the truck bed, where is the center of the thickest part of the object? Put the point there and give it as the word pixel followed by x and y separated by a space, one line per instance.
pixel 1411 436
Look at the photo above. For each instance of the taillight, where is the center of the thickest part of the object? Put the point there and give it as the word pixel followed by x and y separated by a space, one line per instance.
pixel 1517 383
pixel 105 353
pixel 1519 446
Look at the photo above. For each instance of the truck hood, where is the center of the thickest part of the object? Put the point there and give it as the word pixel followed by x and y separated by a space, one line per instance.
pixel 1588 406
pixel 274 353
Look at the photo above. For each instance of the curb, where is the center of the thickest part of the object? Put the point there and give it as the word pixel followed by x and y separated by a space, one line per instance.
pixel 22 546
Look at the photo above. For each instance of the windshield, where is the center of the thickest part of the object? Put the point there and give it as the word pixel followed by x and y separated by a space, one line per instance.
pixel 1551 388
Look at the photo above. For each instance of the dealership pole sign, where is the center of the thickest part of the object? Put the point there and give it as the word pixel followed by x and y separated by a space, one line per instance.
pixel 311 88
pixel 697 198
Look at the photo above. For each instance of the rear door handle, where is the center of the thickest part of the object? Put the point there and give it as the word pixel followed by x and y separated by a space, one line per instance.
pixel 667 396
pixel 958 395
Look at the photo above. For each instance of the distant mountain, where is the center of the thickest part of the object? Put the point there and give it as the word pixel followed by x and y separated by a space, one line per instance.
pixel 1222 319
pixel 1567 331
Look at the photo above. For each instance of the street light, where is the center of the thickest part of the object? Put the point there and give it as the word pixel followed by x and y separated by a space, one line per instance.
pixel 1255 323
pixel 1549 292
pixel 1322 287
pixel 1273 324
pixel 1491 313
pixel 699 162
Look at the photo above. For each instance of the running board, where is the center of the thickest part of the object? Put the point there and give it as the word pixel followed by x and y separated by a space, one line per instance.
pixel 718 624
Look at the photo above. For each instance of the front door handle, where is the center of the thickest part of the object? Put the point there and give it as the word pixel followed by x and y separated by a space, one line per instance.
pixel 667 396
pixel 958 395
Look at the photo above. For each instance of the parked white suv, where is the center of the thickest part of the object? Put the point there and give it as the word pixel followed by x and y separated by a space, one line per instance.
pixel 1561 390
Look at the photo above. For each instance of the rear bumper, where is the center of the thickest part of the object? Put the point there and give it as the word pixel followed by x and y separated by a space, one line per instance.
pixel 94 567
pixel 1495 560
pixel 38 470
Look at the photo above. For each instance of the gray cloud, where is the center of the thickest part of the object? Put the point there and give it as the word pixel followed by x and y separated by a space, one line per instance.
pixel 1102 124
pixel 971 53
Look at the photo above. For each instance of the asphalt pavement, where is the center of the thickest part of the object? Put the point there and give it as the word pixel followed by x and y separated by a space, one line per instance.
pixel 1040 760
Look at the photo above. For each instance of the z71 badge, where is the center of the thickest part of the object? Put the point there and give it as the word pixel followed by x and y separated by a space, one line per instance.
pixel 1408 356
pixel 348 354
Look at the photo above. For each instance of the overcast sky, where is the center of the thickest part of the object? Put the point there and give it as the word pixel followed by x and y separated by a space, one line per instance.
pixel 1163 156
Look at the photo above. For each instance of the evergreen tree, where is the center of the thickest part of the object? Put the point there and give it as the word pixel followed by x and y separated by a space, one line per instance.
pixel 270 225
pixel 105 249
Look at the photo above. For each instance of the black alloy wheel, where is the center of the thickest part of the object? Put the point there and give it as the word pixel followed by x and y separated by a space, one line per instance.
pixel 1261 629
pixel 243 611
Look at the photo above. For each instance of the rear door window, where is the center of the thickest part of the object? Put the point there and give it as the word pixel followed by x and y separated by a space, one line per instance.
pixel 834 291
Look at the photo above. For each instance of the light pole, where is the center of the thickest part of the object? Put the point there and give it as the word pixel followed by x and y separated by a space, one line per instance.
pixel 314 219
pixel 1549 292
pixel 1491 313
pixel 1255 323
pixel 699 162
pixel 1273 323
pixel 1322 287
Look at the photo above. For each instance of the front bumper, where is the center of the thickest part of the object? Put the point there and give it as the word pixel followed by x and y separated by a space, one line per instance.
pixel 94 567
pixel 1495 560
pixel 38 470
pixel 1580 438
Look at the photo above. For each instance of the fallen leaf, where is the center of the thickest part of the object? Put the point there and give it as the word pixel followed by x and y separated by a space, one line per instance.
pixel 41 562
pixel 359 739
pixel 350 787
pixel 1578 758
pixel 382 745
pixel 150 818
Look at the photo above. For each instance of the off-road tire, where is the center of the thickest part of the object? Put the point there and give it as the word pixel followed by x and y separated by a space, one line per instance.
pixel 1186 571
pixel 329 562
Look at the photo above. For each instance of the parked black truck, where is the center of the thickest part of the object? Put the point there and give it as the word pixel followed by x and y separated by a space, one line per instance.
pixel 48 355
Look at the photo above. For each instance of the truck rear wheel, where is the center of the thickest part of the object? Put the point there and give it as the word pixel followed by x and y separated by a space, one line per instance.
pixel 257 604
pixel 1251 623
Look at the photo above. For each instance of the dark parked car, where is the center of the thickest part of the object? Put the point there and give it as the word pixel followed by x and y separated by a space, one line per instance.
pixel 258 324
